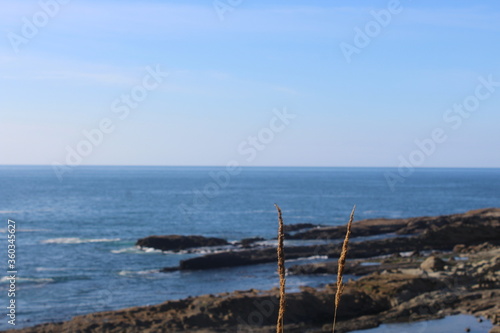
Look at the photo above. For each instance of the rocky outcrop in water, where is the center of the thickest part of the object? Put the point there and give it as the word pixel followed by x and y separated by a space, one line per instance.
pixel 409 226
pixel 466 229
pixel 178 242
pixel 299 226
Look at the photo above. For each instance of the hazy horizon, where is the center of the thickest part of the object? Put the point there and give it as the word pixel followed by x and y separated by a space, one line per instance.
pixel 245 166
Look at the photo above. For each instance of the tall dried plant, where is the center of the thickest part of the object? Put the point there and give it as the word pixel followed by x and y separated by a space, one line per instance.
pixel 281 271
pixel 340 269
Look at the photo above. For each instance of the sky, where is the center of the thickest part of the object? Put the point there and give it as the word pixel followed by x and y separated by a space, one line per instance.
pixel 260 83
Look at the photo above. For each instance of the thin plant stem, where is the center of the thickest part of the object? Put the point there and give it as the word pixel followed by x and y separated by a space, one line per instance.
pixel 340 269
pixel 281 271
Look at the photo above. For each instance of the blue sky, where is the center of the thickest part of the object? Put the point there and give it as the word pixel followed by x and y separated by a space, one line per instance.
pixel 231 72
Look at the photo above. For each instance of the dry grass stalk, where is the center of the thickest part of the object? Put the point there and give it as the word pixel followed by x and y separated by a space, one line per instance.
pixel 281 271
pixel 340 269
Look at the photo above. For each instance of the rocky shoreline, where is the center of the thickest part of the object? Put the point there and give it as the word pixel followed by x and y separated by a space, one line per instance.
pixel 415 234
pixel 430 267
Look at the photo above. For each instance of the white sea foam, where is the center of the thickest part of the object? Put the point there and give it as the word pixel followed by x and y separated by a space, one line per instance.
pixel 50 269
pixel 316 257
pixel 198 250
pixel 6 279
pixel 75 240
pixel 203 250
pixel 136 250
pixel 145 272
pixel 25 230
pixel 150 249
pixel 307 258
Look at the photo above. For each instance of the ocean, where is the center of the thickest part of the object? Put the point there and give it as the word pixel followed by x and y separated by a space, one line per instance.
pixel 75 236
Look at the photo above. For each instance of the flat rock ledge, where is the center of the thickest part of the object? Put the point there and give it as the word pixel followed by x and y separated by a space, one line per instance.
pixel 178 242
pixel 428 233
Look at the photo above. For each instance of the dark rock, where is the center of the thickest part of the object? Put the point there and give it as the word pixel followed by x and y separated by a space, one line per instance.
pixel 247 242
pixel 178 242
pixel 420 224
pixel 169 269
pixel 360 228
pixel 409 226
pixel 357 268
pixel 329 267
pixel 244 257
pixel 468 232
pixel 299 226
pixel 471 229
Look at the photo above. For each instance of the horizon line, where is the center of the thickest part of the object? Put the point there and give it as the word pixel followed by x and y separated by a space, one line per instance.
pixel 249 166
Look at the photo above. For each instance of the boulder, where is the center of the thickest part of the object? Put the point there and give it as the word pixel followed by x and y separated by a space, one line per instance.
pixel 432 264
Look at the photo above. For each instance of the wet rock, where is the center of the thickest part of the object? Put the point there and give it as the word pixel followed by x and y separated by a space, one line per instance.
pixel 178 242
pixel 247 242
pixel 299 226
pixel 356 268
pixel 360 228
pixel 471 230
pixel 245 257
pixel 414 226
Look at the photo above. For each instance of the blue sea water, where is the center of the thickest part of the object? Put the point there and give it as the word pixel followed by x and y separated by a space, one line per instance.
pixel 75 236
